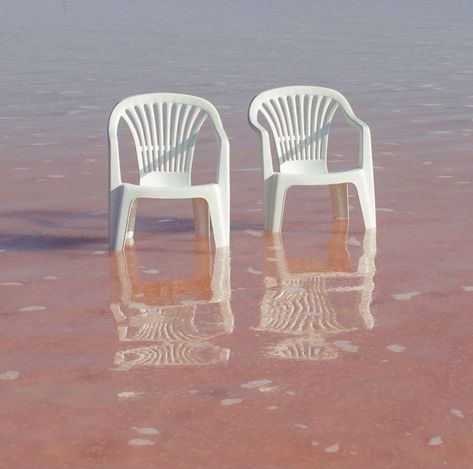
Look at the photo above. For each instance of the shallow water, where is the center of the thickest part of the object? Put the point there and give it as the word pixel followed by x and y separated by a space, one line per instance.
pixel 326 348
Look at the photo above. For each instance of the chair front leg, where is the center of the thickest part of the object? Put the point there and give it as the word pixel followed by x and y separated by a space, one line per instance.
pixel 130 232
pixel 118 217
pixel 275 199
pixel 220 217
pixel 365 188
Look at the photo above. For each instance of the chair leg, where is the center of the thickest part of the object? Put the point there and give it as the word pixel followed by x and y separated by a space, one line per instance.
pixel 131 223
pixel 201 217
pixel 118 216
pixel 274 206
pixel 339 198
pixel 365 190
pixel 267 204
pixel 220 217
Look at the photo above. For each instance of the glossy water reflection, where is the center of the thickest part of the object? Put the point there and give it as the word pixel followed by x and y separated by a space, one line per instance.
pixel 171 322
pixel 309 300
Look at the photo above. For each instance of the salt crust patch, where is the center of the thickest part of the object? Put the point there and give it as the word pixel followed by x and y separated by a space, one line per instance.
pixel 140 442
pixel 146 430
pixel 98 253
pixel 435 441
pixel 405 296
pixel 458 413
pixel 227 402
pixel 353 242
pixel 396 348
pixel 468 287
pixel 256 383
pixel 301 425
pixel 332 449
pixel 384 210
pixel 253 271
pixel 258 234
pixel 56 176
pixel 11 284
pixel 10 375
pixel 31 308
pixel 272 407
pixel 254 210
pixel 51 277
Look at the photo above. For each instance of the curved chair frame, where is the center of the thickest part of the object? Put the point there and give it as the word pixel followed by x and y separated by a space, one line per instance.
pixel 164 127
pixel 299 119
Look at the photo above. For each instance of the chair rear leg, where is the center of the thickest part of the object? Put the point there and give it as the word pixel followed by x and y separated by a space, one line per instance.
pixel 118 216
pixel 339 198
pixel 201 217
pixel 367 201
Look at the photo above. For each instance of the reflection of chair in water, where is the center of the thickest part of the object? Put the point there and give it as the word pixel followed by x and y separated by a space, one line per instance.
pixel 174 318
pixel 309 299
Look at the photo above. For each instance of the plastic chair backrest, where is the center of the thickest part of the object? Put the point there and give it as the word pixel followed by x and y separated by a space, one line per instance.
pixel 299 118
pixel 164 127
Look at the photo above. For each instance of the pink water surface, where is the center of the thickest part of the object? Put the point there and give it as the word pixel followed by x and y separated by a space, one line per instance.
pixel 328 347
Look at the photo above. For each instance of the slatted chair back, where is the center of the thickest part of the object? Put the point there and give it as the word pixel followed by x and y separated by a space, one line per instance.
pixel 299 119
pixel 164 127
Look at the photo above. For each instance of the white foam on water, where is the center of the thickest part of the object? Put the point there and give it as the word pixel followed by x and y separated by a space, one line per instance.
pixel 332 449
pixel 457 413
pixel 435 441
pixel 146 430
pixel 228 402
pixel 140 442
pixel 405 296
pixel 256 383
pixel 10 375
pixel 253 271
pixel 29 309
pixel 396 348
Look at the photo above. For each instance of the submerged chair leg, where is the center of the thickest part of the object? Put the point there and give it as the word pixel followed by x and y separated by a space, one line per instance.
pixel 339 198
pixel 201 217
pixel 219 215
pixel 119 213
pixel 367 201
pixel 131 223
pixel 274 206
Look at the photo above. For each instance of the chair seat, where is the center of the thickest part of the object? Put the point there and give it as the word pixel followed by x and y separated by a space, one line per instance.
pixel 332 177
pixel 203 191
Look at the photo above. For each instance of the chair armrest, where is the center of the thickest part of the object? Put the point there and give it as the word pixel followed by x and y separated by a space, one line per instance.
pixel 223 168
pixel 365 157
pixel 267 160
pixel 114 171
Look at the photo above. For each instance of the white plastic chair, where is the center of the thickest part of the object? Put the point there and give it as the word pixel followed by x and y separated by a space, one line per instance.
pixel 165 128
pixel 299 119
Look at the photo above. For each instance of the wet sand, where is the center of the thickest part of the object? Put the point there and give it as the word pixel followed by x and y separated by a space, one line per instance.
pixel 327 347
